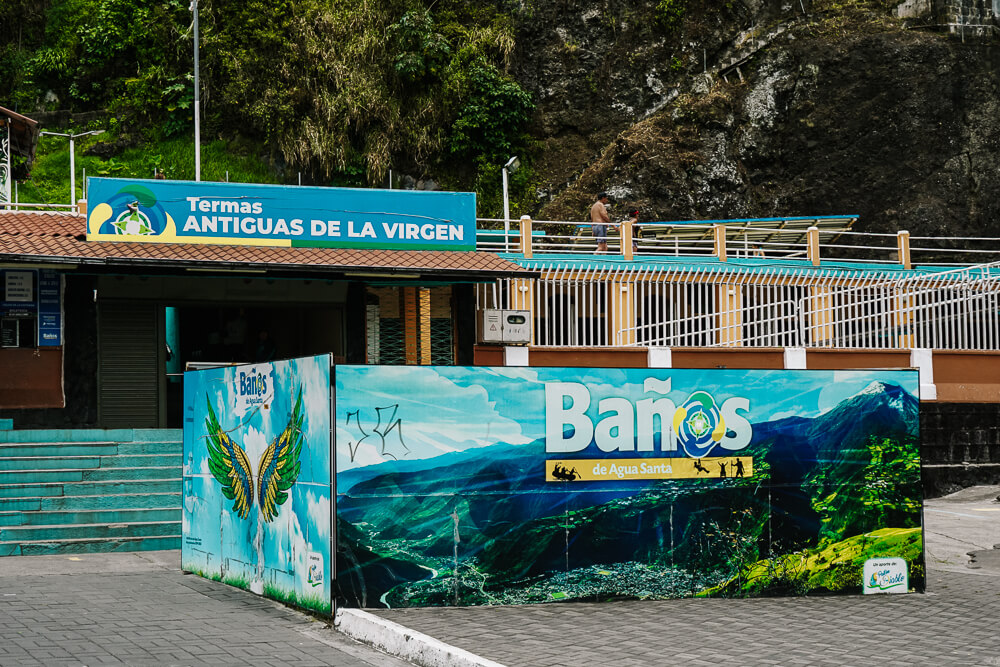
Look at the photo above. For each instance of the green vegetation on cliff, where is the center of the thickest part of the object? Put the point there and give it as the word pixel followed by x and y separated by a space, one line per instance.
pixel 340 91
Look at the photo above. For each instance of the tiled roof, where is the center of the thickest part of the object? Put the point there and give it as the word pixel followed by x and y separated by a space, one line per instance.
pixel 61 238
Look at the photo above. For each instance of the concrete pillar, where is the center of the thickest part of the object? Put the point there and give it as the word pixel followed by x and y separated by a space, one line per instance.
pixel 621 303
pixel 424 312
pixel 521 298
pixel 812 242
pixel 626 231
pixel 411 340
pixel 515 356
pixel 922 359
pixel 526 236
pixel 795 358
pixel 730 317
pixel 659 357
pixel 719 232
pixel 903 244
pixel 819 316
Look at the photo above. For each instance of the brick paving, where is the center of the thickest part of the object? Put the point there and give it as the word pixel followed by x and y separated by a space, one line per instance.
pixel 957 622
pixel 140 609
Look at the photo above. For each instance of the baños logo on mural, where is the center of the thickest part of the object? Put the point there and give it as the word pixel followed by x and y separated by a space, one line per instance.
pixel 473 486
pixel 652 424
pixel 276 472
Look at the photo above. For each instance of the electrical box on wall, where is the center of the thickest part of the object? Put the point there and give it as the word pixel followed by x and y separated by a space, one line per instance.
pixel 504 326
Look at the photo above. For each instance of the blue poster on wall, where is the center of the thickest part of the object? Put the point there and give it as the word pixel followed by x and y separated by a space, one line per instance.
pixel 467 486
pixel 256 479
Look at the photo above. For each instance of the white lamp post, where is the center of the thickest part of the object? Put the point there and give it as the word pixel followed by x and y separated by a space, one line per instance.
pixel 197 97
pixel 72 159
pixel 510 167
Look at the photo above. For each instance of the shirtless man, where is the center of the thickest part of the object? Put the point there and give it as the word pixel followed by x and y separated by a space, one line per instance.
pixel 600 220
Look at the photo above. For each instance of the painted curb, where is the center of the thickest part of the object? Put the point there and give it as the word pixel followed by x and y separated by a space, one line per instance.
pixel 402 642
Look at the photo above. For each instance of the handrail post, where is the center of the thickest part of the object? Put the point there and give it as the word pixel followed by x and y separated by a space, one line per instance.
pixel 812 246
pixel 720 241
pixel 526 236
pixel 903 246
pixel 626 233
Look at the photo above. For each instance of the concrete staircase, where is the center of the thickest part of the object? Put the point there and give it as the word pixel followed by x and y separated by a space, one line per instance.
pixel 89 490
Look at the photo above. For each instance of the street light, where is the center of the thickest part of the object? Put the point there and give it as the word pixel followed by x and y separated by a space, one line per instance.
pixel 510 167
pixel 72 159
pixel 197 102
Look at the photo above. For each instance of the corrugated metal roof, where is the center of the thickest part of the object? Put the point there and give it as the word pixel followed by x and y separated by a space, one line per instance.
pixel 23 133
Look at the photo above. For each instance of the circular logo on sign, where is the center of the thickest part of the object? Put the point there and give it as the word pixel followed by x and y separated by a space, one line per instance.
pixel 698 425
pixel 136 212
pixel 133 221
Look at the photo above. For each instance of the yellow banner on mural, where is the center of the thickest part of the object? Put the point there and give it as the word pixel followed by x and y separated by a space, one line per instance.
pixel 593 470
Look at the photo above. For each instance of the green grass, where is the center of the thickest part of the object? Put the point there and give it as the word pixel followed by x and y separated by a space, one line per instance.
pixel 49 180
pixel 831 567
pixel 313 603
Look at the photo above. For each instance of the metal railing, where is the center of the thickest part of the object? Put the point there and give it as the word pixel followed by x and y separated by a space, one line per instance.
pixel 770 239
pixel 737 307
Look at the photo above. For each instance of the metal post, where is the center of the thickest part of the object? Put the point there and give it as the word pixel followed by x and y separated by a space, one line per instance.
pixel 72 172
pixel 511 166
pixel 506 213
pixel 197 99
pixel 6 175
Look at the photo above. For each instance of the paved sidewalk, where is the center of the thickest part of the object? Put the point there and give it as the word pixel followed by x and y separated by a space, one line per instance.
pixel 957 622
pixel 140 609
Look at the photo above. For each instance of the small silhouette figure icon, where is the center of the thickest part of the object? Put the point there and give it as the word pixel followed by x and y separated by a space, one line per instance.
pixel 722 470
pixel 562 473
pixel 699 467
pixel 739 468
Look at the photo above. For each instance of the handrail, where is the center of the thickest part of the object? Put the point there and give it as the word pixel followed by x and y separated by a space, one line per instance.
pixel 723 239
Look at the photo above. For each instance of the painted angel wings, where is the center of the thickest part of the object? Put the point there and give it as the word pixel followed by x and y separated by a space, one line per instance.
pixel 276 473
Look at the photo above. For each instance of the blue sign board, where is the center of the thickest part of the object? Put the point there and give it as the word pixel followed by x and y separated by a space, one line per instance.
pixel 49 308
pixel 161 211
pixel 34 293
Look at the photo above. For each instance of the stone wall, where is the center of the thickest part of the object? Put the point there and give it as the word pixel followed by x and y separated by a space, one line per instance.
pixel 967 18
pixel 960 445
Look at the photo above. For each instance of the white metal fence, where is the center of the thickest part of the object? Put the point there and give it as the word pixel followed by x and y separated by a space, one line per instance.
pixel 777 307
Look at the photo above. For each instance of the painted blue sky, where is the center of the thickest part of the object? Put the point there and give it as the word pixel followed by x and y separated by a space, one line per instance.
pixel 444 409
pixel 303 522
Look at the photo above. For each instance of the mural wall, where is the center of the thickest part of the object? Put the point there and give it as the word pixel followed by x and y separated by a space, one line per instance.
pixel 465 486
pixel 257 479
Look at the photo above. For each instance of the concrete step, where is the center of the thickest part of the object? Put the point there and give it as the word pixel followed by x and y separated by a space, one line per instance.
pixel 142 460
pixel 23 534
pixel 94 502
pixel 57 449
pixel 80 546
pixel 151 447
pixel 92 435
pixel 98 475
pixel 63 517
pixel 90 488
pixel 51 462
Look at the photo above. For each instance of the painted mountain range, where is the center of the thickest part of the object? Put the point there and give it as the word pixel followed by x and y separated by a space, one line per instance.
pixel 483 526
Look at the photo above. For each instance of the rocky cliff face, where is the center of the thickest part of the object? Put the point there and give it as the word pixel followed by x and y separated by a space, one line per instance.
pixel 754 109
